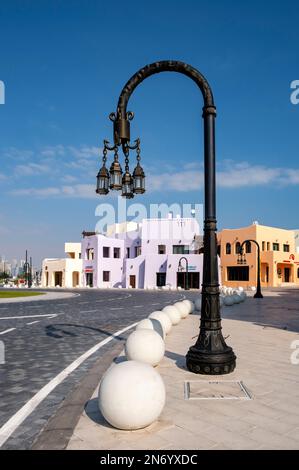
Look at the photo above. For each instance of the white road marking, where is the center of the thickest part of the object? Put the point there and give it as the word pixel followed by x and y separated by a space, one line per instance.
pixel 14 422
pixel 32 322
pixel 7 331
pixel 116 308
pixel 158 303
pixel 33 306
pixel 138 306
pixel 49 315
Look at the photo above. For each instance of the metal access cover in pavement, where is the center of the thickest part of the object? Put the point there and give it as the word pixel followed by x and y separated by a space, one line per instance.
pixel 215 390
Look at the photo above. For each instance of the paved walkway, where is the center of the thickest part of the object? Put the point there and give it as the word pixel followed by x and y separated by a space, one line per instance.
pixel 269 420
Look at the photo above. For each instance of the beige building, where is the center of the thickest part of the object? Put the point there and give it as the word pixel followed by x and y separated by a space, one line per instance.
pixel 279 256
pixel 64 272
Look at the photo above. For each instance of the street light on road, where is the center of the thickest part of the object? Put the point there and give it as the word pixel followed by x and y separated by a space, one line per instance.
pixel 242 260
pixel 181 268
pixel 210 354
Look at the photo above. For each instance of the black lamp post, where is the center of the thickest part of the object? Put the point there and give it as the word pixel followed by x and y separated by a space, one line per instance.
pixel 210 354
pixel 180 268
pixel 242 260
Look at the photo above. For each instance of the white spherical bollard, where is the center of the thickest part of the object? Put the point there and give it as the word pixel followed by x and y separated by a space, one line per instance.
pixel 190 305
pixel 243 295
pixel 182 308
pixel 164 320
pixel 151 324
pixel 131 395
pixel 145 346
pixel 228 300
pixel 173 314
pixel 236 298
pixel 198 303
pixel 221 300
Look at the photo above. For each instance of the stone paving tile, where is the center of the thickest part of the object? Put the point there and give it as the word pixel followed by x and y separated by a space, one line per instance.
pixel 269 420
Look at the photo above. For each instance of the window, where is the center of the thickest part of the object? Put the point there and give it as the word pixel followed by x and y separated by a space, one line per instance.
pixel 248 247
pixel 180 249
pixel 106 252
pixel 79 255
pixel 263 246
pixel 116 252
pixel 298 272
pixel 238 273
pixel 128 252
pixel 228 249
pixel 268 246
pixel 90 254
pixel 286 248
pixel 106 276
pixel 161 279
pixel 161 249
pixel 275 246
pixel 237 248
pixel 137 251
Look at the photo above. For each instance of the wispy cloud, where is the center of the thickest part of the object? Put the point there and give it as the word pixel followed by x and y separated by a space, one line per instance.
pixel 77 190
pixel 31 169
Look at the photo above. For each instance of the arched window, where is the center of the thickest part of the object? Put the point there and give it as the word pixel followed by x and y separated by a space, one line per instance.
pixel 228 249
pixel 248 247
pixel 238 248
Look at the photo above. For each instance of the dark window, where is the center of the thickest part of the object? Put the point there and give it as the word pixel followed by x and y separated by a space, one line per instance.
pixel 128 252
pixel 228 249
pixel 238 273
pixel 116 252
pixel 275 246
pixel 248 247
pixel 268 246
pixel 237 248
pixel 298 272
pixel 263 246
pixel 161 279
pixel 106 252
pixel 286 248
pixel 161 249
pixel 180 249
pixel 90 254
pixel 137 251
pixel 106 276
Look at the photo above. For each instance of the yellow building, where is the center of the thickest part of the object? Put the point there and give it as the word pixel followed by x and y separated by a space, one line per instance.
pixel 279 257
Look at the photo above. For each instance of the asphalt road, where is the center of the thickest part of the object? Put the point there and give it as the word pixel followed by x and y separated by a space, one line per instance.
pixel 42 338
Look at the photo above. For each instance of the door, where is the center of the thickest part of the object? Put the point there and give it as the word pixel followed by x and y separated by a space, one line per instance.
pixel 193 280
pixel 58 278
pixel 89 279
pixel 161 279
pixel 133 281
pixel 286 274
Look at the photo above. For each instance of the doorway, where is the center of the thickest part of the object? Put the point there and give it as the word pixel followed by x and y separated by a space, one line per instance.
pixel 133 281
pixel 193 280
pixel 58 278
pixel 89 279
pixel 161 279
pixel 75 278
pixel 286 274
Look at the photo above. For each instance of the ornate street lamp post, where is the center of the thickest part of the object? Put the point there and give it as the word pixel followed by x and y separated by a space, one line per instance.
pixel 180 268
pixel 210 354
pixel 242 260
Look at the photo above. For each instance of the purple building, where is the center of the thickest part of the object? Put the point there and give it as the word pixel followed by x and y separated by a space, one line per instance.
pixel 145 255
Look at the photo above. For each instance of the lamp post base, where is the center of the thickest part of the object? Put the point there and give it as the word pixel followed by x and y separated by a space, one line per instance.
pixel 210 363
pixel 258 295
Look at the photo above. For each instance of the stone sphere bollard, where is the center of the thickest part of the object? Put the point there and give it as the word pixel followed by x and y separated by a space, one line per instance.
pixel 198 303
pixel 173 313
pixel 131 395
pixel 190 305
pixel 182 308
pixel 151 324
pixel 228 300
pixel 145 346
pixel 163 318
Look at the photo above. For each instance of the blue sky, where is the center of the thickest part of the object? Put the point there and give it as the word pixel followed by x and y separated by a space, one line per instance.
pixel 64 64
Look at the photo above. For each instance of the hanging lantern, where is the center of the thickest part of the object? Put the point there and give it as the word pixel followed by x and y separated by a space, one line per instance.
pixel 127 185
pixel 103 177
pixel 115 174
pixel 138 174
